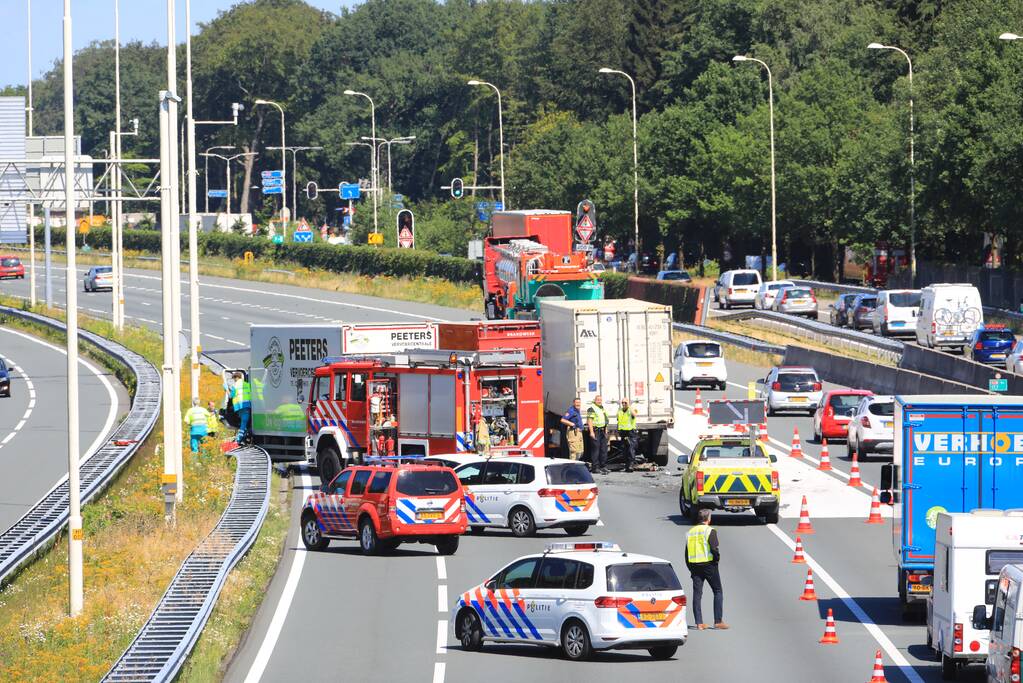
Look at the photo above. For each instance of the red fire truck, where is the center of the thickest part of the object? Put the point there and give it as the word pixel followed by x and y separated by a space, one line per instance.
pixel 420 403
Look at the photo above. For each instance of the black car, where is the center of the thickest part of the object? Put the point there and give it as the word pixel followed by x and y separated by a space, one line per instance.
pixel 649 264
pixel 5 380
pixel 839 311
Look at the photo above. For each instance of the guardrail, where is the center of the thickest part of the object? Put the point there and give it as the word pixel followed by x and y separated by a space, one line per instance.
pixel 835 287
pixel 729 338
pixel 161 647
pixel 41 524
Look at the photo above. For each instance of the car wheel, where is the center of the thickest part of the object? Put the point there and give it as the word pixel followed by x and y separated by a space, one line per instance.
pixel 770 411
pixel 575 641
pixel 368 538
pixel 663 652
pixel 328 463
pixel 470 631
pixel 521 523
pixel 722 386
pixel 448 545
pixel 678 385
pixel 576 529
pixel 312 537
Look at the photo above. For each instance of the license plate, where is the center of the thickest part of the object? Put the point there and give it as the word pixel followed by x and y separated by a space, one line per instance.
pixel 896 323
pixel 577 502
pixel 798 399
pixel 998 355
pixel 887 424
pixel 732 502
pixel 705 365
pixel 948 333
pixel 429 514
pixel 799 302
pixel 919 588
pixel 652 616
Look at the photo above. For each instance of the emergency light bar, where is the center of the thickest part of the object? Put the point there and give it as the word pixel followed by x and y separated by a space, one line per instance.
pixel 595 546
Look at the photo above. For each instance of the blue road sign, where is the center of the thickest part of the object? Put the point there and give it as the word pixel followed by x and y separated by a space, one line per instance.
pixel 346 220
pixel 273 190
pixel 216 194
pixel 302 236
pixel 272 174
pixel 398 198
pixel 273 182
pixel 498 206
pixel 349 190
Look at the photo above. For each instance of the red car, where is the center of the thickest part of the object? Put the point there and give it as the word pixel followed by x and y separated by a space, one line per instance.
pixel 831 421
pixel 384 507
pixel 11 266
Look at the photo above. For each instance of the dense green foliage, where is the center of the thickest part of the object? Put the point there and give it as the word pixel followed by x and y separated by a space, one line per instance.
pixel 841 113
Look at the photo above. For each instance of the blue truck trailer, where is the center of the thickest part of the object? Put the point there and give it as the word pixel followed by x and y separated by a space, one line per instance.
pixel 952 454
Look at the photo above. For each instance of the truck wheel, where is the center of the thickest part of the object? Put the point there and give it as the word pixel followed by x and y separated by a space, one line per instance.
pixel 328 463
pixel 368 538
pixel 521 523
pixel 447 546
pixel 949 668
pixel 771 517
pixel 658 446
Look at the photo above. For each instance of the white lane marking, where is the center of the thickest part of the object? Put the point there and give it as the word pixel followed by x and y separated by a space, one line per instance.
pixel 442 636
pixel 438 672
pixel 442 571
pixel 873 629
pixel 11 365
pixel 442 598
pixel 145 303
pixel 266 648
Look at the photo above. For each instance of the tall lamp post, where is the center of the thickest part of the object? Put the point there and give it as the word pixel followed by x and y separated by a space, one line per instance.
pixel 31 207
pixel 404 140
pixel 774 205
pixel 373 156
pixel 284 163
pixel 912 160
pixel 227 177
pixel 294 172
pixel 500 132
pixel 206 171
pixel 635 159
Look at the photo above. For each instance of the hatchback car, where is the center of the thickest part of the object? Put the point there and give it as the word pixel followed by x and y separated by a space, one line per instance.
pixel 678 275
pixel 98 277
pixel 524 494
pixel 860 312
pixel 831 421
pixel 872 428
pixel 699 362
pixel 796 301
pixel 5 380
pixel 383 507
pixel 768 291
pixel 838 312
pixel 11 267
pixel 992 344
pixel 791 388
pixel 578 597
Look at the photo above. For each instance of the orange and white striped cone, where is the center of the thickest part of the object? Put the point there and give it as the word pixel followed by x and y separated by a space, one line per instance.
pixel 878 676
pixel 799 557
pixel 698 408
pixel 808 592
pixel 797 445
pixel 763 432
pixel 825 463
pixel 875 509
pixel 804 526
pixel 830 634
pixel 854 473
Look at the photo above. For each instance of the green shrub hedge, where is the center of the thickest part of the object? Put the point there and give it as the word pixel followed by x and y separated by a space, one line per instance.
pixel 683 299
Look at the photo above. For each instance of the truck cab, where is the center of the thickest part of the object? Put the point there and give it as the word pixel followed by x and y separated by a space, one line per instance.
pixel 732 473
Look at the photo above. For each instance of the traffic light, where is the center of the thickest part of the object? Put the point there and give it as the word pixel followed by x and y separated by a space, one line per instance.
pixel 457 188
pixel 311 190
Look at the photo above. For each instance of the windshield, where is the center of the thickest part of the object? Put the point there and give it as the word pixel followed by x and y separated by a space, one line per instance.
pixel 882 409
pixel 703 350
pixel 10 262
pixel 845 404
pixel 569 473
pixel 642 576
pixel 868 302
pixel 904 299
pixel 674 275
pixel 796 381
pixel 778 285
pixel 745 279
pixel 104 269
pixel 730 450
pixel 426 483
pixel 998 335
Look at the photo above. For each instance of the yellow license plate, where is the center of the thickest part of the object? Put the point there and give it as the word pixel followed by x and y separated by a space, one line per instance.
pixel 919 588
pixel 947 333
pixel 737 501
pixel 887 424
pixel 652 616
pixel 798 399
pixel 705 365
pixel 998 355
pixel 429 514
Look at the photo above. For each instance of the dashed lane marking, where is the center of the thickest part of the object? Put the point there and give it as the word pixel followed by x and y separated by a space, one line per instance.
pixel 438 672
pixel 30 386
pixel 442 571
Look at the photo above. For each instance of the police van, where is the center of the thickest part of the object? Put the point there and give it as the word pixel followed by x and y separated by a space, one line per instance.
pixel 580 597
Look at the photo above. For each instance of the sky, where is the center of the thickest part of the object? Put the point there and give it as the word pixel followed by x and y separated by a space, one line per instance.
pixel 93 20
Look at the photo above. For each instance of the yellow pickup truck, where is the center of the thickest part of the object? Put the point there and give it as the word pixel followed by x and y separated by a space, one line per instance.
pixel 724 473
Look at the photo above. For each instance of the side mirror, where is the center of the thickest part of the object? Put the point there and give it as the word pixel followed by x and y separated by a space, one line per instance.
pixel 491 585
pixel 980 618
pixel 761 381
pixel 773 457
pixel 683 460
pixel 887 498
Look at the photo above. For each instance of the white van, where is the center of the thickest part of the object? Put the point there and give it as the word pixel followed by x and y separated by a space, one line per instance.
pixel 949 315
pixel 970 548
pixel 896 312
pixel 737 287
pixel 1006 625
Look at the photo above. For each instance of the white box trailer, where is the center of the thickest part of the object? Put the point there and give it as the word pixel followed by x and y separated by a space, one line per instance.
pixel 970 549
pixel 618 348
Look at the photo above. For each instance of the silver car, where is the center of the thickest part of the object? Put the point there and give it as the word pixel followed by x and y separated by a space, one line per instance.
pixel 98 277
pixel 796 301
pixel 861 311
pixel 791 388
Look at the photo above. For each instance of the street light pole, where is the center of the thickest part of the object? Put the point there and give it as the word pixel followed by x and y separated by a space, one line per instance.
pixel 912 160
pixel 294 173
pixel 635 159
pixel 284 166
pixel 774 206
pixel 403 140
pixel 31 207
pixel 500 134
pixel 227 174
pixel 206 171
pixel 373 156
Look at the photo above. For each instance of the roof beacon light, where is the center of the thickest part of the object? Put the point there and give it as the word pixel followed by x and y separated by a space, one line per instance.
pixel 576 547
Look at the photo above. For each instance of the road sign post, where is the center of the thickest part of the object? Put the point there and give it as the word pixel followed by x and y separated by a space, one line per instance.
pixel 585 221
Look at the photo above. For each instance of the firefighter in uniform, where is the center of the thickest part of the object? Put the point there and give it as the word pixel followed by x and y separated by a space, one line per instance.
pixel 197 418
pixel 627 431
pixel 596 422
pixel 702 556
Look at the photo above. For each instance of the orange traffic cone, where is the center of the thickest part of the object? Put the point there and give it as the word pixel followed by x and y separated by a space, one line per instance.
pixel 804 526
pixel 763 432
pixel 698 408
pixel 875 509
pixel 808 592
pixel 878 676
pixel 825 463
pixel 799 558
pixel 854 473
pixel 830 634
pixel 797 445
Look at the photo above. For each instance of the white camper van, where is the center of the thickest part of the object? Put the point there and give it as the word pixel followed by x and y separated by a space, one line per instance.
pixel 1006 626
pixel 970 549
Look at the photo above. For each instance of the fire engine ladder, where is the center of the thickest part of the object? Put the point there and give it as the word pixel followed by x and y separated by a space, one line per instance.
pixel 438 358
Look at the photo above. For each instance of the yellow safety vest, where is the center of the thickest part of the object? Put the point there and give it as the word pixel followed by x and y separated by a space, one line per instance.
pixel 698 544
pixel 597 416
pixel 196 416
pixel 626 420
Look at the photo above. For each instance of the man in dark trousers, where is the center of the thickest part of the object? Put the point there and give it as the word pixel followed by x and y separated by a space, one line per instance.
pixel 596 423
pixel 702 556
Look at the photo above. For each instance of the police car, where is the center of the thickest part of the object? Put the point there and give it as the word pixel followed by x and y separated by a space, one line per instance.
pixel 529 493
pixel 580 597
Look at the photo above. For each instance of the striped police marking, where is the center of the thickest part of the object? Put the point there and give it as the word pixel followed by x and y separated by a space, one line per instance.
pixel 473 510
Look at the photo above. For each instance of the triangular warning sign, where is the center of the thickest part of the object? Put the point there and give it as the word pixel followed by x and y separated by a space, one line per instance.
pixel 659 378
pixel 585 228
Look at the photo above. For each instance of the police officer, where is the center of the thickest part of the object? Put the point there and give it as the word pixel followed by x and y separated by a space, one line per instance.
pixel 702 556
pixel 627 431
pixel 573 422
pixel 241 401
pixel 596 423
pixel 197 418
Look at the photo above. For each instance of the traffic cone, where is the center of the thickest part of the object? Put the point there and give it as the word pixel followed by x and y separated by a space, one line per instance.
pixel 808 592
pixel 698 408
pixel 875 509
pixel 830 634
pixel 763 432
pixel 878 676
pixel 854 473
pixel 799 558
pixel 825 464
pixel 804 526
pixel 797 445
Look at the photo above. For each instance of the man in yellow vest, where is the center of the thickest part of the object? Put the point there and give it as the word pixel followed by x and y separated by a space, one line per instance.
pixel 627 431
pixel 241 401
pixel 596 423
pixel 197 418
pixel 702 556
